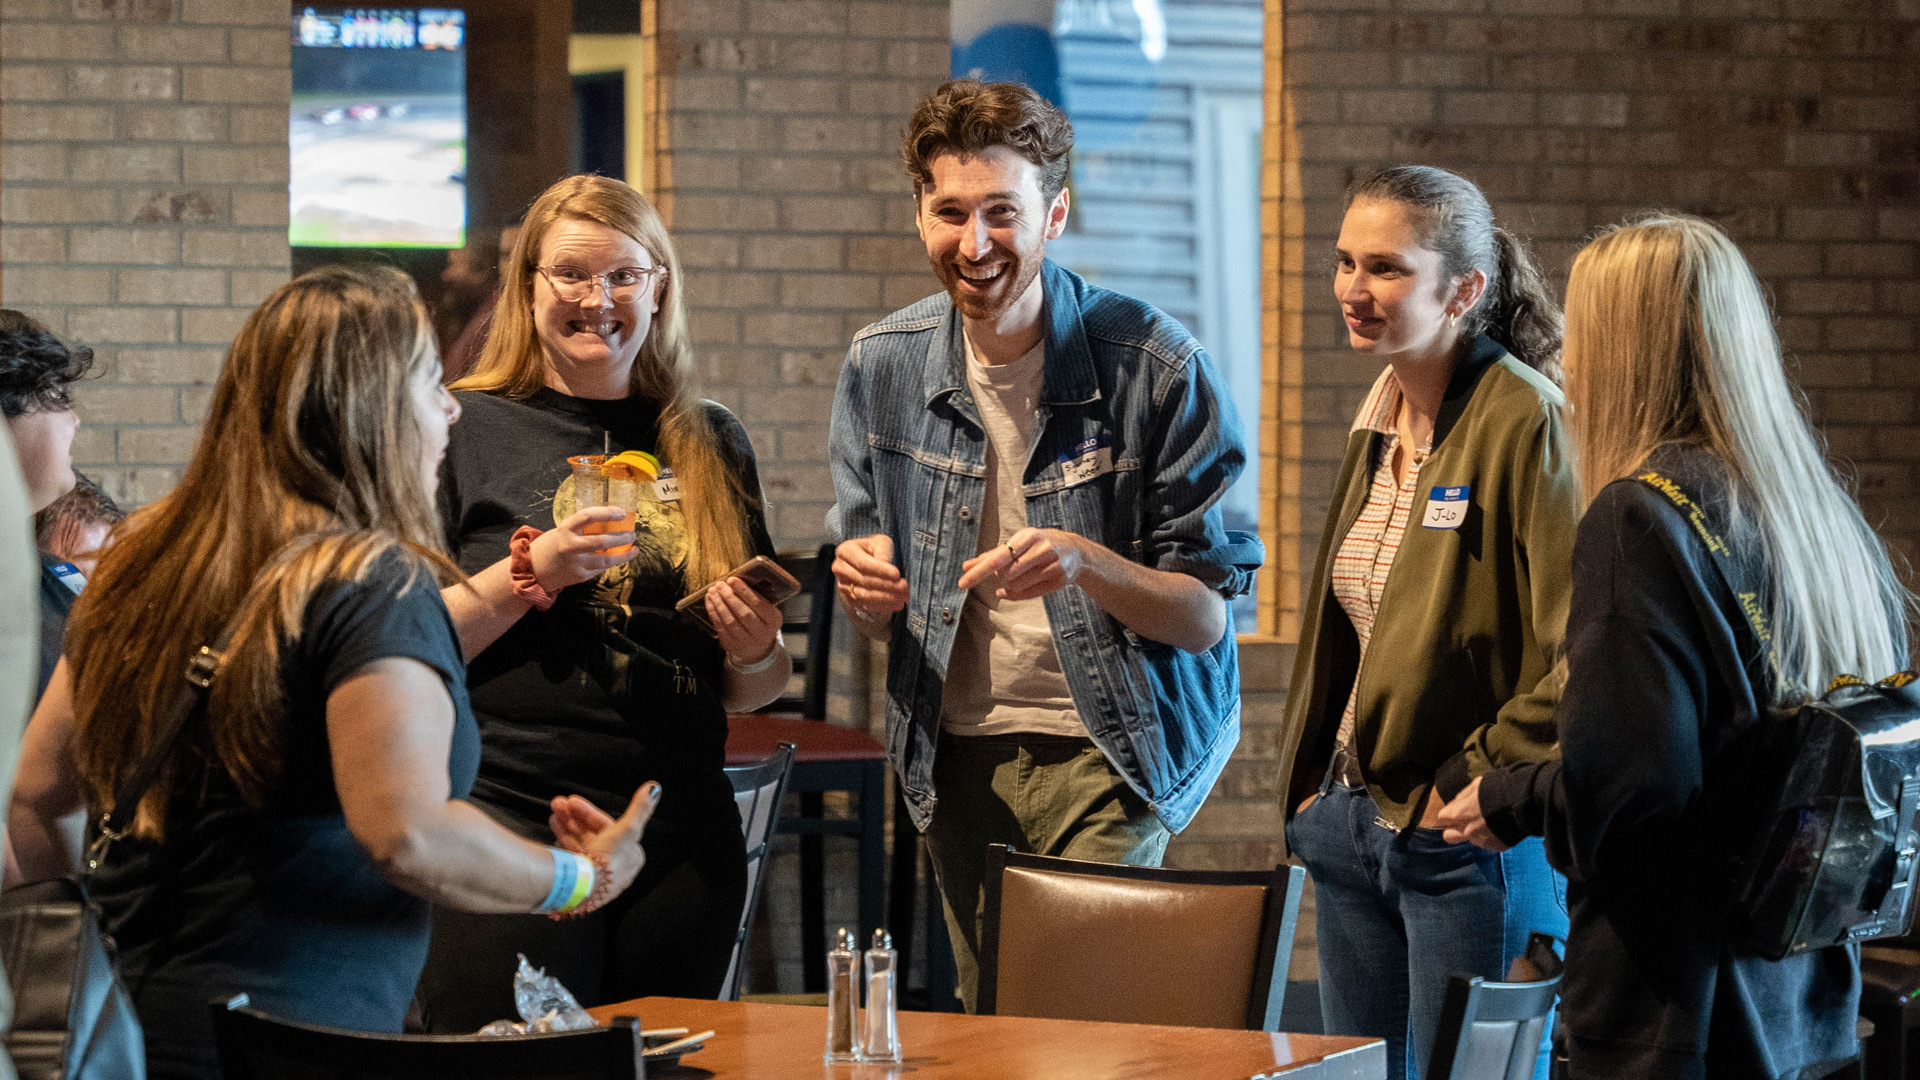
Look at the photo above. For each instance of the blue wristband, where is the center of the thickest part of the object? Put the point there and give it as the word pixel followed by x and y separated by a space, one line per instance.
pixel 566 873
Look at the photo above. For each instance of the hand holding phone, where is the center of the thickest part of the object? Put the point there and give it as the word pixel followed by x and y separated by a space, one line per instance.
pixel 759 573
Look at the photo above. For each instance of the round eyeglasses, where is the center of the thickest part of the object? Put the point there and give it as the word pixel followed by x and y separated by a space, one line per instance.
pixel 576 285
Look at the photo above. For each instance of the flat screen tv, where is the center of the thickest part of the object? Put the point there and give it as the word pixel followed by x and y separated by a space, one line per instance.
pixel 378 138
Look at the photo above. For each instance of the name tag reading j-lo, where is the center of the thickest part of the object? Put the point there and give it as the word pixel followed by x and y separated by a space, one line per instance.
pixel 1446 508
pixel 1088 459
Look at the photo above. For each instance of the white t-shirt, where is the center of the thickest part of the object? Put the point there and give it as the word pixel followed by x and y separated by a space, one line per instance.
pixel 1004 674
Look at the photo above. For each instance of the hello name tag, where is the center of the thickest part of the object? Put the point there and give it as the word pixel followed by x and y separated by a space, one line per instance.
pixel 1446 508
pixel 1088 459
pixel 70 576
pixel 667 488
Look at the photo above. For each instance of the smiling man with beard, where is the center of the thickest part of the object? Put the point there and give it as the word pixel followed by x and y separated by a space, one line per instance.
pixel 1028 470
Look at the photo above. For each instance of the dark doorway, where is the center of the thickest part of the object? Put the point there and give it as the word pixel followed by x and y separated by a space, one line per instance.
pixel 600 124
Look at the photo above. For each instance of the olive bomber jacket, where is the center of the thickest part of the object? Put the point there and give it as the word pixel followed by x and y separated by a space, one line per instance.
pixel 1462 672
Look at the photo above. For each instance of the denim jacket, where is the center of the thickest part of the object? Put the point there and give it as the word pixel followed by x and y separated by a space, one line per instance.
pixel 909 460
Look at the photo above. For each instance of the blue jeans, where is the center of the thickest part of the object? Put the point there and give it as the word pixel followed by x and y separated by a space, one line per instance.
pixel 1398 912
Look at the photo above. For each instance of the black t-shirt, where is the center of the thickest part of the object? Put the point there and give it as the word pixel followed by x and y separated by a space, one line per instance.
pixel 611 687
pixel 280 902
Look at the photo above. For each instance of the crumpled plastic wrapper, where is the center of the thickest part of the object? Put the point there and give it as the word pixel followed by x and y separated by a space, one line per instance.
pixel 544 1005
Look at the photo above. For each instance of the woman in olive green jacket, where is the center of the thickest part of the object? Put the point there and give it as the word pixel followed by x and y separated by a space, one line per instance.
pixel 1433 626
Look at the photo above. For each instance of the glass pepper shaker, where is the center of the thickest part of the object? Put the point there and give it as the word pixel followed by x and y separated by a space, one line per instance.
pixel 843 999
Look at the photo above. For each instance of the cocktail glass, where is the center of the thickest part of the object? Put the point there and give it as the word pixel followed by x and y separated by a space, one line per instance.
pixel 598 482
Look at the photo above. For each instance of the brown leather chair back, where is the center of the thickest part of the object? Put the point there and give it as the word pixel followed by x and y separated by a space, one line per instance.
pixel 1089 941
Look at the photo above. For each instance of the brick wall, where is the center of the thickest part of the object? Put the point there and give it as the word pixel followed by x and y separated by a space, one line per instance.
pixel 143 203
pixel 1793 123
pixel 773 145
pixel 778 165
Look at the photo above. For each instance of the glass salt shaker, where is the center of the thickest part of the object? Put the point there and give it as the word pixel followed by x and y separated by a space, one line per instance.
pixel 883 1000
pixel 843 999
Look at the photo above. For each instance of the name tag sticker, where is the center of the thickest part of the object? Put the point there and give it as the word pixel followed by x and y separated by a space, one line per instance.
pixel 70 576
pixel 1088 459
pixel 667 487
pixel 1446 508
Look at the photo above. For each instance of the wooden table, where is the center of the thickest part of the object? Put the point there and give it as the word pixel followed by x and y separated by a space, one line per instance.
pixel 784 1042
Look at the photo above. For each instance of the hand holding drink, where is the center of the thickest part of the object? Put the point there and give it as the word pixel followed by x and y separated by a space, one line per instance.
pixel 565 555
pixel 599 480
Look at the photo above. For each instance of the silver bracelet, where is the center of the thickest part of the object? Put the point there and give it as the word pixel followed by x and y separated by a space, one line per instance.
pixel 762 664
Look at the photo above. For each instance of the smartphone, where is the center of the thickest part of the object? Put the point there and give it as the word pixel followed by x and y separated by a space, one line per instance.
pixel 759 573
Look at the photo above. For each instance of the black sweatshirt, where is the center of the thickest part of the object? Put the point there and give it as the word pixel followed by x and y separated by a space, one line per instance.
pixel 1643 809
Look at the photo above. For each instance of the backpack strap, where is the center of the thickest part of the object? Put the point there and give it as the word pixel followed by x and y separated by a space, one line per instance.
pixel 1731 573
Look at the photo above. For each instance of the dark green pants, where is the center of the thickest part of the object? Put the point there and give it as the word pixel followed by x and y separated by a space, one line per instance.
pixel 1042 794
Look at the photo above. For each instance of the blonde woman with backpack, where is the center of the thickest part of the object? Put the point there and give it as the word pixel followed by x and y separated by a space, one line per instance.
pixel 1686 427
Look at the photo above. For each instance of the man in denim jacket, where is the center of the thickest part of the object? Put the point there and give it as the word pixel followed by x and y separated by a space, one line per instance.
pixel 1028 471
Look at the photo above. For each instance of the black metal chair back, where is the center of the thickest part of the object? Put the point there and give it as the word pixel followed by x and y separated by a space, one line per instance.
pixel 1493 1030
pixel 808 618
pixel 256 1046
pixel 757 790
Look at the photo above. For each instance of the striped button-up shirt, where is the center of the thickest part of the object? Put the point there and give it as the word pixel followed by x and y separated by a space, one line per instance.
pixel 1366 554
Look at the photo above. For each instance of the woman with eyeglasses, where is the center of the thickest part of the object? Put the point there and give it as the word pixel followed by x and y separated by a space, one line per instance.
pixel 583 676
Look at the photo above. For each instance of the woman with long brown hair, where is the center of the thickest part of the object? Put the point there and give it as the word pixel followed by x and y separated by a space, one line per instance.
pixel 315 802
pixel 583 676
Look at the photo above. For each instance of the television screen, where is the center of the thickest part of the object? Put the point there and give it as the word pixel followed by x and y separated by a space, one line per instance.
pixel 378 139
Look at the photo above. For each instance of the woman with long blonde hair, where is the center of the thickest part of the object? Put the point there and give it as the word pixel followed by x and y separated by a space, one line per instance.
pixel 583 675
pixel 313 804
pixel 1686 425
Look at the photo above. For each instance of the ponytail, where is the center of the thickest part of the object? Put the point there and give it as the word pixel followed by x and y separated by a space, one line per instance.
pixel 1521 313
pixel 1453 218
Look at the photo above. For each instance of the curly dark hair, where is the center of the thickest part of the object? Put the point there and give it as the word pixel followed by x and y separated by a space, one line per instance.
pixel 967 116
pixel 36 368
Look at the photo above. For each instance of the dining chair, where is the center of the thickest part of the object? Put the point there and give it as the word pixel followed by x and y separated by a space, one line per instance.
pixel 1492 1030
pixel 256 1046
pixel 757 790
pixel 1071 940
pixel 827 758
